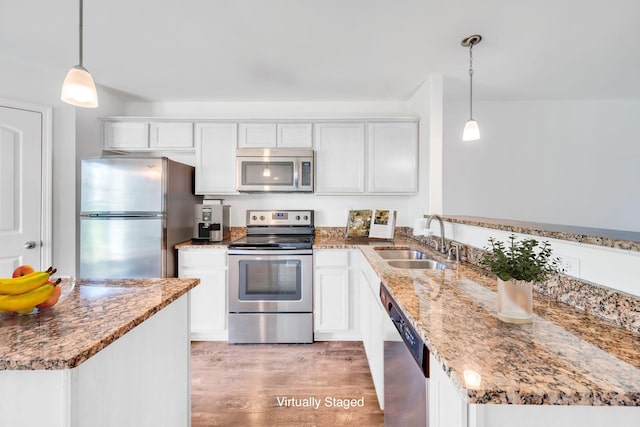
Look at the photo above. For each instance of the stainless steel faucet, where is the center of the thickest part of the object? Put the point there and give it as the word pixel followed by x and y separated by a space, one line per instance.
pixel 443 245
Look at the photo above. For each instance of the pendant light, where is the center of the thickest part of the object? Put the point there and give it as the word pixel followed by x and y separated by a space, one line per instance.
pixel 471 131
pixel 78 88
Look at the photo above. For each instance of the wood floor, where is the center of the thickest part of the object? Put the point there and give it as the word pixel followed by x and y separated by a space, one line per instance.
pixel 268 385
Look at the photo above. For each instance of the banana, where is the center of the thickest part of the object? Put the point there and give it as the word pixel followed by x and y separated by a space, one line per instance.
pixel 24 303
pixel 49 270
pixel 7 280
pixel 24 284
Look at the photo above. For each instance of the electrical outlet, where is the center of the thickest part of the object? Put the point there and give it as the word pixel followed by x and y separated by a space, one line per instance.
pixel 569 265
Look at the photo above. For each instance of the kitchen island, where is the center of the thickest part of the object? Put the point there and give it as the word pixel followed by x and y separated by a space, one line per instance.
pixel 565 368
pixel 111 353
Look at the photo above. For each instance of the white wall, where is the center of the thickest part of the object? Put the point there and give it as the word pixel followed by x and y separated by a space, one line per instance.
pixel 331 211
pixel 420 105
pixel 560 162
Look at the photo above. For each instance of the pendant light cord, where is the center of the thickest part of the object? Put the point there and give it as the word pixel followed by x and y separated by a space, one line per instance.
pixel 80 34
pixel 470 81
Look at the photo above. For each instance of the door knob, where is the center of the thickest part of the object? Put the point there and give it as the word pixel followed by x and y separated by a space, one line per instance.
pixel 30 244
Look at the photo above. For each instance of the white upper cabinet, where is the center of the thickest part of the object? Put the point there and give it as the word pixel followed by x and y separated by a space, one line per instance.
pixel 271 135
pixel 392 157
pixel 171 135
pixel 382 160
pixel 141 135
pixel 252 135
pixel 339 149
pixel 294 135
pixel 216 157
pixel 126 135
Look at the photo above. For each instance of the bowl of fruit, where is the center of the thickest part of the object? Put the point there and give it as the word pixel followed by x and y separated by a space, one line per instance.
pixel 29 291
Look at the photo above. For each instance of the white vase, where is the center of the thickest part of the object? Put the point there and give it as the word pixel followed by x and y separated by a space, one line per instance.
pixel 515 301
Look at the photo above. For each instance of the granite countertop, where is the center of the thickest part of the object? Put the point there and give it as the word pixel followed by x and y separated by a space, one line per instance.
pixel 564 357
pixel 618 239
pixel 191 244
pixel 92 316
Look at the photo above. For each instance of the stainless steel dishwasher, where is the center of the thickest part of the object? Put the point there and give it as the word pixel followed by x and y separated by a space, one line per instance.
pixel 406 371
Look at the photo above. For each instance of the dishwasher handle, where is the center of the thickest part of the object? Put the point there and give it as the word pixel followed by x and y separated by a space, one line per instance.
pixel 397 320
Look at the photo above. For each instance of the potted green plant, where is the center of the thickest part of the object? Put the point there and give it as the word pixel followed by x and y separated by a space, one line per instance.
pixel 518 264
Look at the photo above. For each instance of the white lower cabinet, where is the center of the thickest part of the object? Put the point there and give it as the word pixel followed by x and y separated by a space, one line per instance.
pixel 446 407
pixel 209 299
pixel 336 312
pixel 372 319
pixel 552 416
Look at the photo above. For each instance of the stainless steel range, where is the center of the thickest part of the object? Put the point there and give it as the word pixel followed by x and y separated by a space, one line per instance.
pixel 271 279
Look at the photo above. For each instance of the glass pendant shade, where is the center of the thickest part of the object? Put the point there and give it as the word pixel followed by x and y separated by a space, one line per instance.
pixel 79 89
pixel 471 131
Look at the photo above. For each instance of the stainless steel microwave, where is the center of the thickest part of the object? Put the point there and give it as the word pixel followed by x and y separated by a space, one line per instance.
pixel 261 170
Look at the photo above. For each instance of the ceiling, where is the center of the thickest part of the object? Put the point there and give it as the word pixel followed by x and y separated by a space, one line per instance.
pixel 334 50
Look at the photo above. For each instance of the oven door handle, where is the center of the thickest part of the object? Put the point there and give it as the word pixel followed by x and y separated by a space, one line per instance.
pixel 247 248
pixel 273 252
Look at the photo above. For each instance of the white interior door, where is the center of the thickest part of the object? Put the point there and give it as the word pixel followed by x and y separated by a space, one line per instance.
pixel 20 189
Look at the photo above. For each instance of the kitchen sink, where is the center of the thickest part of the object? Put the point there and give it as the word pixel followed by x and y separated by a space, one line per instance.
pixel 425 264
pixel 401 254
pixel 411 258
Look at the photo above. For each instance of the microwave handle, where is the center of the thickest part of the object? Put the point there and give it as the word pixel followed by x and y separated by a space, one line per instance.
pixel 296 167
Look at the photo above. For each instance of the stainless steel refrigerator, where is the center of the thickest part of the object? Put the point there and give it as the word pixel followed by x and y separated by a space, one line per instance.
pixel 133 212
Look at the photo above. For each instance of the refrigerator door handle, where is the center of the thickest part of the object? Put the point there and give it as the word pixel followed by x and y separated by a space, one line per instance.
pixel 111 215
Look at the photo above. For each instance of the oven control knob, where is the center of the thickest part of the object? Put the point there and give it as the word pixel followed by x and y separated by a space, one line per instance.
pixel 254 217
pixel 261 217
pixel 298 217
pixel 306 217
